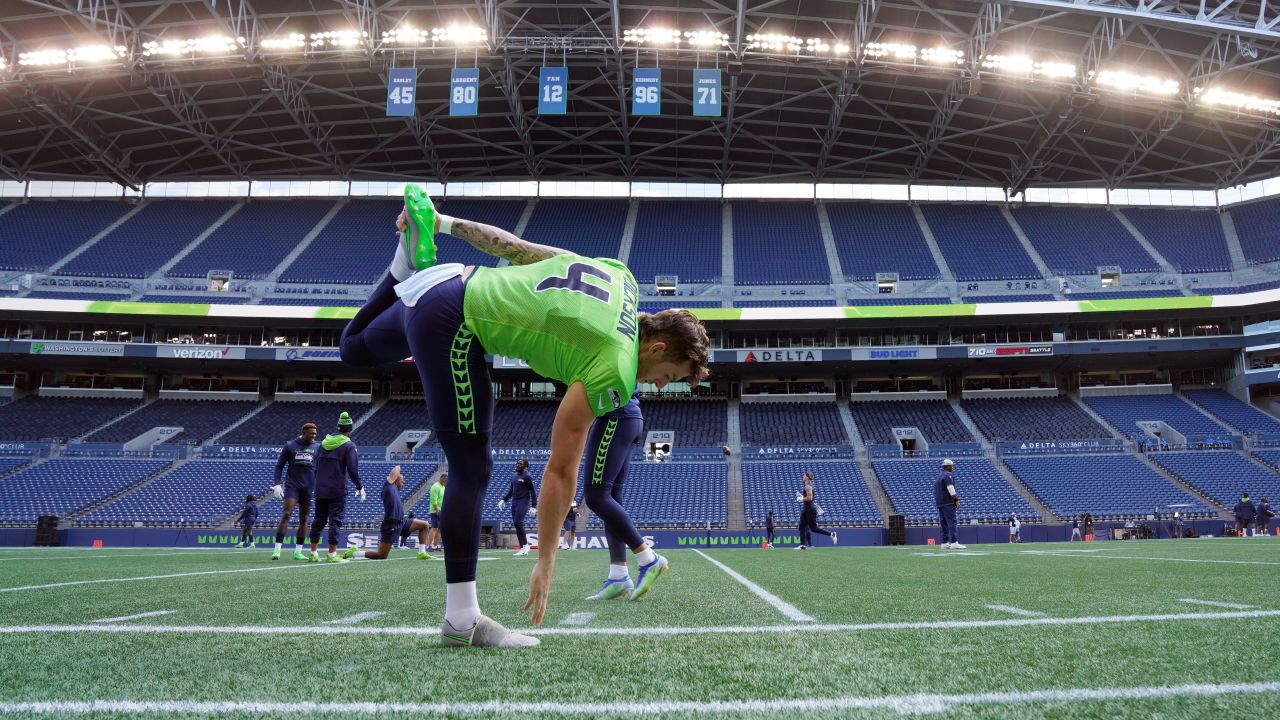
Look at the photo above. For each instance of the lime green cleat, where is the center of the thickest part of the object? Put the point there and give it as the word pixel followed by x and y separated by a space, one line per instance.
pixel 300 555
pixel 275 555
pixel 313 558
pixel 648 575
pixel 349 553
pixel 335 559
pixel 420 237
pixel 426 556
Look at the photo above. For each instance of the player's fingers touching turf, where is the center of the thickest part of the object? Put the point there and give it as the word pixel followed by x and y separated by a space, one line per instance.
pixel 539 588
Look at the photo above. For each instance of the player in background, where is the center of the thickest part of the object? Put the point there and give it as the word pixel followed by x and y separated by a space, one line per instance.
pixel 610 445
pixel 1075 529
pixel 297 488
pixel 809 515
pixel 393 523
pixel 573 319
pixel 570 527
pixel 769 528
pixel 248 516
pixel 523 495
pixel 336 462
pixel 1263 517
pixel 944 496
pixel 436 498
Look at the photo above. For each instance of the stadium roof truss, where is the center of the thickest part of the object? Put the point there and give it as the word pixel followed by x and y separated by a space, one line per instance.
pixel 253 112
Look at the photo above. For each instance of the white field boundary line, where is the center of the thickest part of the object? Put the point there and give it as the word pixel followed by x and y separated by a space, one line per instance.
pixel 1016 611
pixel 902 704
pixel 647 631
pixel 1145 557
pixel 353 619
pixel 100 581
pixel 787 609
pixel 112 556
pixel 1216 603
pixel 139 616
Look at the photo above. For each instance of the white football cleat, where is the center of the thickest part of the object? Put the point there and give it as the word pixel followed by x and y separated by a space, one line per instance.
pixel 958 546
pixel 522 552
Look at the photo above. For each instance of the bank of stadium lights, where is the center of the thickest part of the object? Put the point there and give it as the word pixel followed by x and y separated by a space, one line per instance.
pixel 337 39
pixel 408 36
pixel 293 42
pixel 667 38
pixel 210 45
pixel 1219 97
pixel 1125 81
pixel 1023 65
pixel 86 55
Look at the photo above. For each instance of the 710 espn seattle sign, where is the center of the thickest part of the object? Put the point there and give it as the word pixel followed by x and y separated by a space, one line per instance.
pixel 983 351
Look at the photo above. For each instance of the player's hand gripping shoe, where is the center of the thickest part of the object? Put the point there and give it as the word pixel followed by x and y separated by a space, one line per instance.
pixel 420 235
pixel 648 575
pixel 485 633
pixel 611 589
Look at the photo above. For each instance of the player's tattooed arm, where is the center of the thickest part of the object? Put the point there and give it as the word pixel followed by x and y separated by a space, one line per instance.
pixel 500 243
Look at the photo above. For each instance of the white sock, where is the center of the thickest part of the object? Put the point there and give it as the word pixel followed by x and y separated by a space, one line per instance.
pixel 461 607
pixel 400 268
pixel 359 555
pixel 617 572
pixel 278 546
pixel 301 547
pixel 646 556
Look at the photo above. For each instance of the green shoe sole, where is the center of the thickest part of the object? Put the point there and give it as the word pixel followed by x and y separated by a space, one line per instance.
pixel 420 239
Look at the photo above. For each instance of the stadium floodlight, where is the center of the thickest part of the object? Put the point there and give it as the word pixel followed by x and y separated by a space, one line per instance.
pixel 1055 70
pixel 1011 64
pixel 840 49
pixel 891 51
pixel 942 56
pixel 771 42
pixel 293 42
pixel 406 34
pixel 210 45
pixel 1125 81
pixel 459 35
pixel 338 39
pixel 660 37
pixel 83 55
pixel 706 38
pixel 1221 97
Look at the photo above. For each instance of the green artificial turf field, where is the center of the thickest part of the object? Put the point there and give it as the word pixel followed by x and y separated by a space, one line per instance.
pixel 1165 629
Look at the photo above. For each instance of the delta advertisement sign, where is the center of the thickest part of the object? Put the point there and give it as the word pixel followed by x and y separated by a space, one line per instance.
pixel 788 355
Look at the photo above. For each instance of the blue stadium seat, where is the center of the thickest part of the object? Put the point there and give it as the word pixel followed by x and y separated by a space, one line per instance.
pixel 978 243
pixel 812 302
pixel 1025 297
pixel 1222 475
pixel 838 487
pixel 367 225
pixel 281 421
pixel 224 298
pixel 879 237
pixel 39 233
pixel 91 295
pixel 1191 240
pixel 1122 294
pixel 873 300
pixel 41 418
pixel 778 243
pixel 681 238
pixel 1125 411
pixel 696 422
pixel 791 423
pixel 1108 486
pixel 1233 412
pixel 256 238
pixel 146 241
pixel 1022 419
pixel 590 228
pixel 503 214
pixel 984 494
pixel 1076 240
pixel 1256 227
pixel 62 486
pixel 935 418
pixel 201 420
pixel 393 418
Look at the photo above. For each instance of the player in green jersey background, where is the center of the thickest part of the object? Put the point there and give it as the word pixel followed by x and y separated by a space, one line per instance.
pixel 572 319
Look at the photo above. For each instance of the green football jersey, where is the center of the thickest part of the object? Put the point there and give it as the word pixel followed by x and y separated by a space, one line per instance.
pixel 437 497
pixel 573 319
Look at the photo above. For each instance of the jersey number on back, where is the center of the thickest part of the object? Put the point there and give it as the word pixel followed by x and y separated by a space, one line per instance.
pixel 573 280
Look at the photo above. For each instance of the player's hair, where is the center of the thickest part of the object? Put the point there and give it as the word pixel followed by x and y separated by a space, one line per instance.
pixel 685 336
pixel 309 425
pixel 249 498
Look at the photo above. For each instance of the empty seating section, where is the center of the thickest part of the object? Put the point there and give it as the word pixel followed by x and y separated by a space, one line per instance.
pixel 503 214
pixel 1222 475
pixel 838 487
pixel 978 243
pixel 654 306
pixel 198 493
pixel 1106 486
pixel 68 295
pixel 365 224
pixel 1191 240
pixel 63 485
pixel 791 423
pixel 812 302
pixel 697 423
pixel 41 418
pixel 875 238
pixel 777 243
pixel 934 418
pixel 523 423
pixel 1254 287
pixel 211 299
pixel 393 418
pixel 1270 457
pixel 200 420
pixel 145 242
pixel 281 421
pixel 1030 297
pixel 677 238
pixel 890 300
pixel 1123 294
pixel 1076 240
pixel 1255 226
pixel 1237 414
pixel 316 300
pixel 1023 419
pixel 36 234
pixel 253 241
pixel 1125 411
pixel 368 514
pixel 984 494
pixel 593 231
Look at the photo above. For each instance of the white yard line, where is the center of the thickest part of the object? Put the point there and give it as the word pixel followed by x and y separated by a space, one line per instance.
pixel 71 583
pixel 139 616
pixel 903 704
pixel 950 553
pixel 1058 553
pixel 580 618
pixel 112 556
pixel 1215 603
pixel 661 630
pixel 1016 611
pixel 782 606
pixel 353 619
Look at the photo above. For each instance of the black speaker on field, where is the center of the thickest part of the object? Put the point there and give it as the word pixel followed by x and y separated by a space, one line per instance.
pixel 897 530
pixel 47 530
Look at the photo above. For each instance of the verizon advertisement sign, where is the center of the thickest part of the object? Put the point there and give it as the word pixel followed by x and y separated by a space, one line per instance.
pixel 984 351
pixel 200 352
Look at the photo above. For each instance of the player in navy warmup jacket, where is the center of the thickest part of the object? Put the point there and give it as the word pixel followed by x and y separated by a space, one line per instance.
pixel 336 462
pixel 298 486
pixel 523 495
pixel 394 523
pixel 948 502
pixel 248 516
pixel 1244 514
